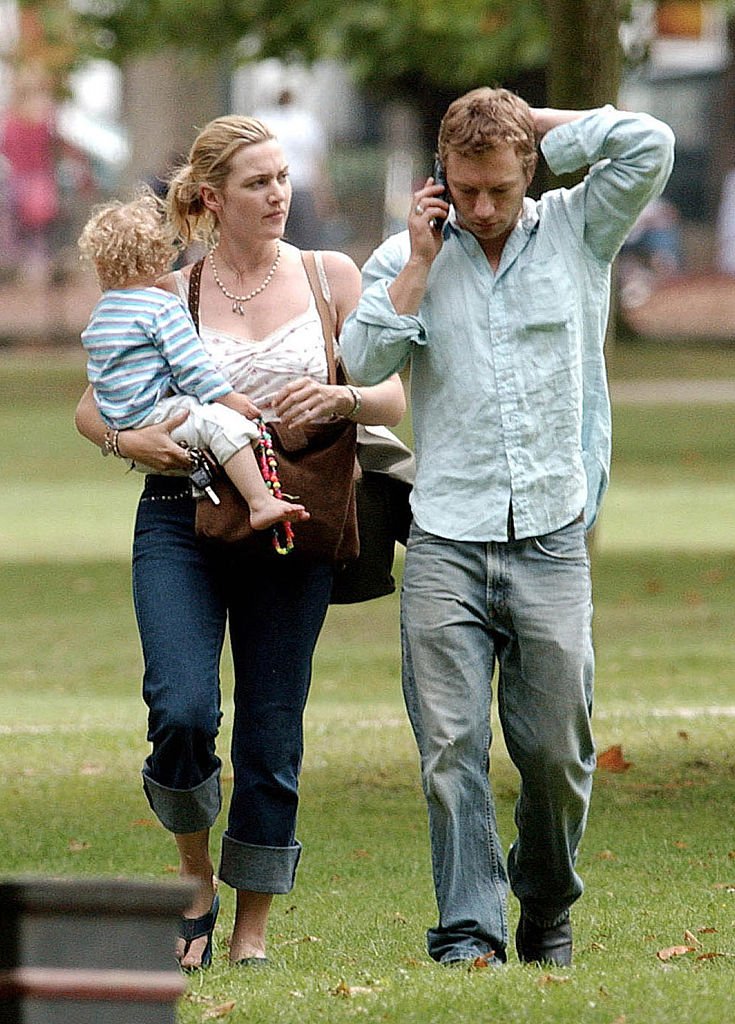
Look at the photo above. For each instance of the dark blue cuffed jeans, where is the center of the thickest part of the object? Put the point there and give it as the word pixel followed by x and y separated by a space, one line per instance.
pixel 184 593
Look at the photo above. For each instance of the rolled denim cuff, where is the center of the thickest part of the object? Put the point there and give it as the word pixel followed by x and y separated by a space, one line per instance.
pixel 185 810
pixel 258 868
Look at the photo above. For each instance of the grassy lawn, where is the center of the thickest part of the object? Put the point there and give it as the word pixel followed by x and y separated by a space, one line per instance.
pixel 348 944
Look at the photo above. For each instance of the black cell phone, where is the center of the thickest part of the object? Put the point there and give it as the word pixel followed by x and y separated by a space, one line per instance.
pixel 437 173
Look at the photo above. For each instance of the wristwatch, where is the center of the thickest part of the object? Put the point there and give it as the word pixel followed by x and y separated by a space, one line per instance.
pixel 357 397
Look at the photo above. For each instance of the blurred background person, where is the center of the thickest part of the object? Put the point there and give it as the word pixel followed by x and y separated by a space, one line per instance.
pixel 304 141
pixel 28 146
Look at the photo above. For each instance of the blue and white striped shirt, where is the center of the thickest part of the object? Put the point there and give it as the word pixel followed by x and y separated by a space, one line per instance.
pixel 142 345
pixel 509 394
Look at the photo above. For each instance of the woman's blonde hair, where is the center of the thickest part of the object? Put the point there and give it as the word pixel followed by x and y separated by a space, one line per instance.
pixel 209 163
pixel 128 241
pixel 484 119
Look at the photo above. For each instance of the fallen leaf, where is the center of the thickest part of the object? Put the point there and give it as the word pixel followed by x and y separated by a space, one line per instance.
pixel 300 939
pixel 89 768
pixel 597 947
pixel 612 760
pixel 607 855
pixel 484 960
pixel 553 979
pixel 144 823
pixel 683 734
pixel 347 991
pixel 672 951
pixel 706 931
pixel 399 918
pixel 731 855
pixel 712 956
pixel 681 846
pixel 691 938
pixel 219 1011
pixel 727 886
pixel 360 854
pixel 77 845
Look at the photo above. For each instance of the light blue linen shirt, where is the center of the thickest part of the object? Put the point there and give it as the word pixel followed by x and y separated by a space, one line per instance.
pixel 509 393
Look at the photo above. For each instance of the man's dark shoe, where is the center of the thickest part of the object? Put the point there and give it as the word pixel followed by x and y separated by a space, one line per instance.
pixel 537 943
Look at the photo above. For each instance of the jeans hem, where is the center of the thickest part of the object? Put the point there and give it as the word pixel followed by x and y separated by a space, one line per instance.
pixel 268 869
pixel 183 811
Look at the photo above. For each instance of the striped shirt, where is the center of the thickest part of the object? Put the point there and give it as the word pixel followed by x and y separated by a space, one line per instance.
pixel 141 345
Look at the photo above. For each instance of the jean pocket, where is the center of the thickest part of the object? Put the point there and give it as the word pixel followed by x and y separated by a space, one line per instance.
pixel 566 545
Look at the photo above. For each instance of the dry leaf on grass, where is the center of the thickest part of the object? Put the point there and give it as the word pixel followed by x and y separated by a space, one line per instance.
pixel 691 938
pixel 672 951
pixel 347 991
pixel 217 1012
pixel 77 845
pixel 482 961
pixel 553 979
pixel 612 760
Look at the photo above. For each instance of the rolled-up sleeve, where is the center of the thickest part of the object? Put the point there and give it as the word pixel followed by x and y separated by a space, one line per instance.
pixel 631 157
pixel 375 340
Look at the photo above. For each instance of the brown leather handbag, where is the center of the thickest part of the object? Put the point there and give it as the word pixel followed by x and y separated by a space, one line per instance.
pixel 317 466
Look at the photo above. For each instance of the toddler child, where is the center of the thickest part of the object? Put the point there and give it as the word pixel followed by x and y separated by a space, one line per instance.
pixel 146 362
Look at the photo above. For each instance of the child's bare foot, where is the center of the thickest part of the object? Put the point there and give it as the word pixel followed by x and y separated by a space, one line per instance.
pixel 273 511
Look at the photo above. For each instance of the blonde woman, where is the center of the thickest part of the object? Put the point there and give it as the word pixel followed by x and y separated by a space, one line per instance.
pixel 259 322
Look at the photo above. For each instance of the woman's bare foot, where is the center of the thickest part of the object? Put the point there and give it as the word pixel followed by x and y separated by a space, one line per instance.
pixel 274 511
pixel 251 919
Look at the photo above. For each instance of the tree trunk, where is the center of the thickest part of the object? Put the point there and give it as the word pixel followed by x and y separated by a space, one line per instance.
pixel 585 53
pixel 167 98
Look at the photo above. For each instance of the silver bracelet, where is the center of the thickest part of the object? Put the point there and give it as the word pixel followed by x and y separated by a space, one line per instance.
pixel 357 398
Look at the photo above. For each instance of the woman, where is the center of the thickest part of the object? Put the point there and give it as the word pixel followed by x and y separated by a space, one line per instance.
pixel 258 320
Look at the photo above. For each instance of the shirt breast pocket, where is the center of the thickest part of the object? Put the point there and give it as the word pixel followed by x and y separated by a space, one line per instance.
pixel 546 299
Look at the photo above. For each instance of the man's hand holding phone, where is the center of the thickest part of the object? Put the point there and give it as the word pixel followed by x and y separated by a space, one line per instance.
pixel 428 213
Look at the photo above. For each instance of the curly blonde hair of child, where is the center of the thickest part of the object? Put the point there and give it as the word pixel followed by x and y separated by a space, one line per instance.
pixel 128 242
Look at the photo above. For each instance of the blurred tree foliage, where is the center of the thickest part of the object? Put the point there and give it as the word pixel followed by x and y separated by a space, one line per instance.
pixel 422 51
pixel 400 46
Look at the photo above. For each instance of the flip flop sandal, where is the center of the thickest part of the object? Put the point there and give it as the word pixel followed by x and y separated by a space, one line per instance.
pixel 191 928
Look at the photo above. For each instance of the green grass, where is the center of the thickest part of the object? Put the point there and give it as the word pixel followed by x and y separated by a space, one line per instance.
pixel 348 944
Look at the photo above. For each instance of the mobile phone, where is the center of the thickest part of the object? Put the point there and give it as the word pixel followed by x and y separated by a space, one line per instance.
pixel 437 173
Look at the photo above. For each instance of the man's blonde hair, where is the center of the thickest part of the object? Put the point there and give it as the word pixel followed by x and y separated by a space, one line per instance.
pixel 128 241
pixel 209 163
pixel 484 119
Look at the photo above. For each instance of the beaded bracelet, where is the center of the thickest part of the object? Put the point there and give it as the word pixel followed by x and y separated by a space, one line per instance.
pixel 110 445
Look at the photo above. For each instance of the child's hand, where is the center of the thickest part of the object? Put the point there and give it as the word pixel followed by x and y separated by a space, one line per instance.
pixel 242 404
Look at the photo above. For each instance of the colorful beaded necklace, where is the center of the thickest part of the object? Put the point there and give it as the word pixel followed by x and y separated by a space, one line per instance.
pixel 269 470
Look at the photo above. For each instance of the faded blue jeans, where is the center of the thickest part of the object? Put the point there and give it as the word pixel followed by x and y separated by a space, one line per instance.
pixel 525 605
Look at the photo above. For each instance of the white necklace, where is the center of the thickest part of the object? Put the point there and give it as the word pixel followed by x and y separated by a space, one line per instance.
pixel 239 300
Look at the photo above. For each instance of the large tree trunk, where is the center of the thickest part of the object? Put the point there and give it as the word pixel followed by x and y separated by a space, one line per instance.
pixel 167 98
pixel 584 71
pixel 585 54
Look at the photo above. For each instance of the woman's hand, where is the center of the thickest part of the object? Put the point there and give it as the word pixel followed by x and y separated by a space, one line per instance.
pixel 152 446
pixel 304 401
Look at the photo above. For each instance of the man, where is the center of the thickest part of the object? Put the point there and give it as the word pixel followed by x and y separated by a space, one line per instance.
pixel 501 313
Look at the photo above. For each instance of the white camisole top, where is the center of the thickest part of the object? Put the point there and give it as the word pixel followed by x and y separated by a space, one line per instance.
pixel 259 368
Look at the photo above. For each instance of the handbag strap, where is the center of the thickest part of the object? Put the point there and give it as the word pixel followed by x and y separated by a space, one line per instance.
pixel 308 258
pixel 195 285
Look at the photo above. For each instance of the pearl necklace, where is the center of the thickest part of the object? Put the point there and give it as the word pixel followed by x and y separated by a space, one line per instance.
pixel 239 300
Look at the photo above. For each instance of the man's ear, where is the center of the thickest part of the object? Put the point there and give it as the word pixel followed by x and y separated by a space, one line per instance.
pixel 532 165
